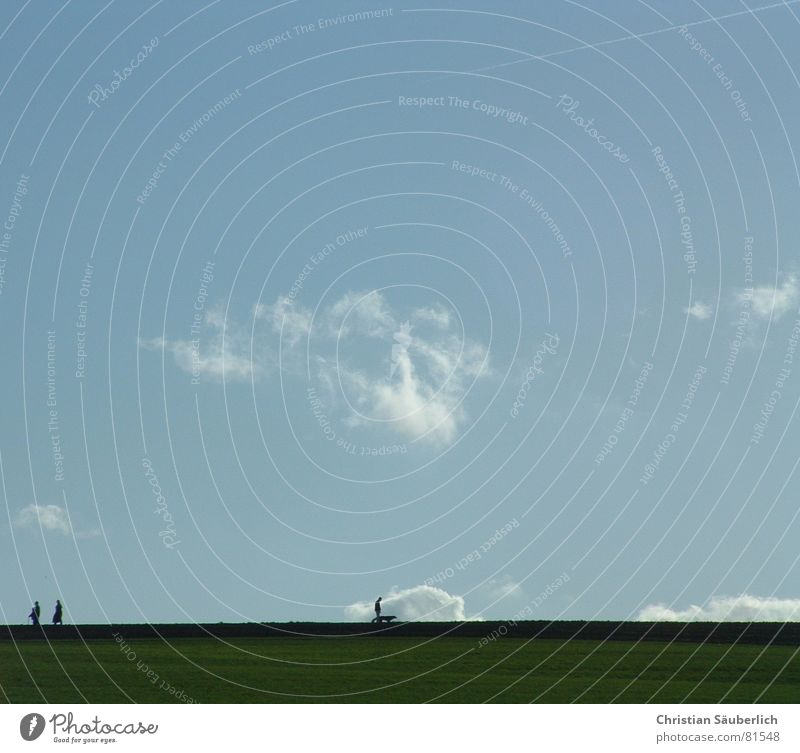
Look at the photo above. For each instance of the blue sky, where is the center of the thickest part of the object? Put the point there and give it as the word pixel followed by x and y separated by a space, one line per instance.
pixel 491 309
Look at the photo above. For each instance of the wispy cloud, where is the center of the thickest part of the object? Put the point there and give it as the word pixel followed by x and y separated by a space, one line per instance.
pixel 437 315
pixel 221 350
pixel 422 399
pixel 406 374
pixel 743 608
pixel 50 518
pixel 365 313
pixel 770 300
pixel 699 310
pixel 292 323
pixel 502 587
pixel 422 603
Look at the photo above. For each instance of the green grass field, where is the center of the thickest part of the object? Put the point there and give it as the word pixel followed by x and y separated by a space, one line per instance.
pixel 394 670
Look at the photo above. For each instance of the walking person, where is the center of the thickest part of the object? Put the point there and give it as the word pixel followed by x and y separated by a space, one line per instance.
pixel 378 609
pixel 36 611
pixel 57 614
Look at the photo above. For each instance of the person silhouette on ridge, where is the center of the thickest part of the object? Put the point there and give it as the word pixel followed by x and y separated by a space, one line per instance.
pixel 35 613
pixel 57 614
pixel 378 609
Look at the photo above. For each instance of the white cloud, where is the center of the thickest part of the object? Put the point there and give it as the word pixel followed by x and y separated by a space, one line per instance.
pixel 363 312
pixel 49 517
pixel 407 375
pixel 744 608
pixel 402 374
pixel 423 603
pixel 436 314
pixel 292 322
pixel 408 404
pixel 422 398
pixel 699 310
pixel 429 372
pixel 221 350
pixel 767 300
pixel 90 534
pixel 500 588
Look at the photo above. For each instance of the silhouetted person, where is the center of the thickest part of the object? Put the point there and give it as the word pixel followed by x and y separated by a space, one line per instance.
pixel 57 614
pixel 378 609
pixel 35 613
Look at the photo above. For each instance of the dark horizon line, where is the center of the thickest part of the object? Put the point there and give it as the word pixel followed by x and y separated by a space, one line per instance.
pixel 754 633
